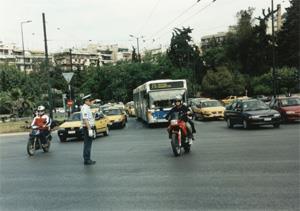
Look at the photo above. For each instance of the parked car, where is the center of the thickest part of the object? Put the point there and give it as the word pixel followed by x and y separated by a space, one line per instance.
pixel 208 109
pixel 289 107
pixel 250 112
pixel 116 117
pixel 72 127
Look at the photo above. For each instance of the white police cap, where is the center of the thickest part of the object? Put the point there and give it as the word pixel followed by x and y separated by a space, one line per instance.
pixel 87 97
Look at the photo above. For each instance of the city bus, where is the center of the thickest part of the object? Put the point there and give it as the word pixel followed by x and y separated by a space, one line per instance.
pixel 154 99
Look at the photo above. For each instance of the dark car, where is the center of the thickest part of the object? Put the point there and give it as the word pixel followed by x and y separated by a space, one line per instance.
pixel 250 112
pixel 289 107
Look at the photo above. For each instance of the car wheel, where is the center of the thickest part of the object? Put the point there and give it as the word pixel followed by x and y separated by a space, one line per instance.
pixel 62 139
pixel 245 124
pixel 106 132
pixel 200 117
pixel 229 123
pixel 276 125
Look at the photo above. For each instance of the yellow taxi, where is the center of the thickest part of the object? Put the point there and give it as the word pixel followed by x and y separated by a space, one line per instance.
pixel 209 109
pixel 231 98
pixel 116 117
pixel 72 127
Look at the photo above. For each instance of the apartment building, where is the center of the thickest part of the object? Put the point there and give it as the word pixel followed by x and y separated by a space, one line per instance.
pixel 12 55
pixel 92 55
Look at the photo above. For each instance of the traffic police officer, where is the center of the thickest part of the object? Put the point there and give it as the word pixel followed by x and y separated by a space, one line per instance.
pixel 88 122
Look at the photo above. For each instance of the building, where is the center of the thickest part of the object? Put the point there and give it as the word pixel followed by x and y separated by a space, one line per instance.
pixel 75 59
pixel 278 20
pixel 12 55
pixel 69 59
pixel 206 41
pixel 92 55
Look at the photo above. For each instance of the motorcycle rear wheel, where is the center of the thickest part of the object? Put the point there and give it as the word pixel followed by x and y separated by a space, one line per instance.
pixel 175 146
pixel 31 147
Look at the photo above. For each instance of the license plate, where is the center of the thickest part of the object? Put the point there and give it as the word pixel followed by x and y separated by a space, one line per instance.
pixel 71 132
pixel 267 119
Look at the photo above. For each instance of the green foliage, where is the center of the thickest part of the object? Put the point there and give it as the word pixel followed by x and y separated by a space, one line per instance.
pixel 222 82
pixel 181 52
pixel 286 81
pixel 288 37
pixel 248 47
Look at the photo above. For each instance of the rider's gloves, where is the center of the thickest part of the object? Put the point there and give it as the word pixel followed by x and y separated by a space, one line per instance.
pixel 91 134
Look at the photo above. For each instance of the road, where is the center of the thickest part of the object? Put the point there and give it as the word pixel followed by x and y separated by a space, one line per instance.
pixel 227 169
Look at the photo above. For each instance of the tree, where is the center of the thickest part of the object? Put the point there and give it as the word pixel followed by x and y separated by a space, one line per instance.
pixel 222 82
pixel 288 37
pixel 181 52
pixel 248 47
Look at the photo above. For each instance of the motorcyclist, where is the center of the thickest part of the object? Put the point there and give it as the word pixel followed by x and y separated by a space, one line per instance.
pixel 184 112
pixel 43 122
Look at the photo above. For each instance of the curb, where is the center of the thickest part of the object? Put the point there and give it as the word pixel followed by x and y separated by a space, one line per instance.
pixel 13 134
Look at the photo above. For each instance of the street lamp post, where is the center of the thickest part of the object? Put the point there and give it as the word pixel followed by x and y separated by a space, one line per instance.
pixel 137 45
pixel 273 51
pixel 23 22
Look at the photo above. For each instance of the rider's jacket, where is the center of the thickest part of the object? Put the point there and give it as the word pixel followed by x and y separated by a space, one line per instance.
pixel 43 122
pixel 182 110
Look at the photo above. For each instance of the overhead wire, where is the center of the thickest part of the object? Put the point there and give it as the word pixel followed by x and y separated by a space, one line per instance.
pixel 198 12
pixel 149 17
pixel 173 20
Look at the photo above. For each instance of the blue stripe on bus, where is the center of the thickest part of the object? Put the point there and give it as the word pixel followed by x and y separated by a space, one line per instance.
pixel 159 114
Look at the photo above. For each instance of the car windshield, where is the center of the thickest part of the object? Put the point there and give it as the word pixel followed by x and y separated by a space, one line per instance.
pixel 254 105
pixel 290 102
pixel 111 112
pixel 75 117
pixel 212 103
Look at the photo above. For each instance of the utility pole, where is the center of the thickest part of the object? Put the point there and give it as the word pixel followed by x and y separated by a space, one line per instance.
pixel 273 51
pixel 71 63
pixel 29 21
pixel 47 67
pixel 137 45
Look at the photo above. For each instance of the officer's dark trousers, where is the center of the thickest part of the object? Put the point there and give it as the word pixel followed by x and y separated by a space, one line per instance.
pixel 87 145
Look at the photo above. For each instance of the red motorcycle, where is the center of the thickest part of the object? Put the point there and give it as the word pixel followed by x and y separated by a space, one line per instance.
pixel 178 134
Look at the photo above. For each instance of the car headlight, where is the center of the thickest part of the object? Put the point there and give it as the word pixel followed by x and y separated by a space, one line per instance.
pixel 276 115
pixel 254 117
pixel 290 112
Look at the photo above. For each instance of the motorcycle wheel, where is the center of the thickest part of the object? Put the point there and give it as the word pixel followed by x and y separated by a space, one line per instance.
pixel 31 147
pixel 187 149
pixel 175 146
pixel 46 149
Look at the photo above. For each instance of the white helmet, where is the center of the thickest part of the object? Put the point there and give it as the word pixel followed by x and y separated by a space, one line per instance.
pixel 178 98
pixel 41 109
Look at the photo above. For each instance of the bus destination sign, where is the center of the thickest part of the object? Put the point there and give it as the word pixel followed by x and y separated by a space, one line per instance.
pixel 166 85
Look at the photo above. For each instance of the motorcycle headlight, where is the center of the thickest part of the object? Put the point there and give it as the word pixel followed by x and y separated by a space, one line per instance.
pixel 174 122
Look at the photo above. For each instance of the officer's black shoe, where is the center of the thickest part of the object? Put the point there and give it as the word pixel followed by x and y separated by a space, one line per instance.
pixel 89 162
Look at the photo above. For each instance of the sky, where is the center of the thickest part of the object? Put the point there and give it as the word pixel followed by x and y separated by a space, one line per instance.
pixel 77 23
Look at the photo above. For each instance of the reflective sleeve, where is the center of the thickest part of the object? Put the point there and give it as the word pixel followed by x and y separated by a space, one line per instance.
pixel 48 121
pixel 33 121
